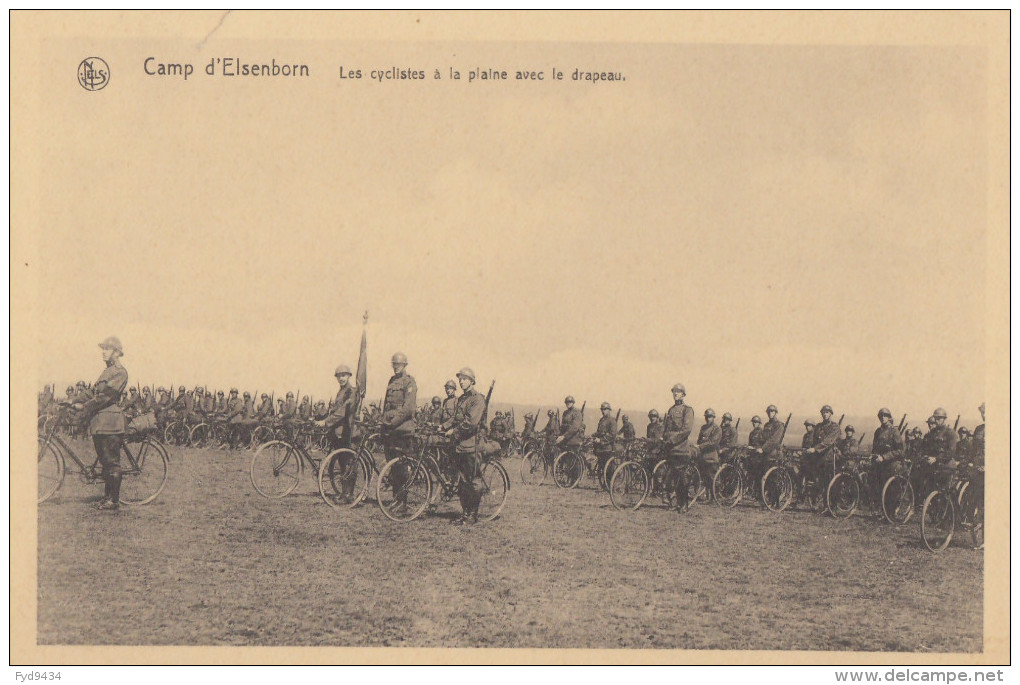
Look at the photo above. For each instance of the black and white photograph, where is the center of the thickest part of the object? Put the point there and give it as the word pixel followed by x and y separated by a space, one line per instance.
pixel 664 337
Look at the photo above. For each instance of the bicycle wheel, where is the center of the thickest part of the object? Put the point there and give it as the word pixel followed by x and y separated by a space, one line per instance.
pixel 608 469
pixel 275 469
pixel 568 468
pixel 629 486
pixel 533 468
pixel 51 470
pixel 200 435
pixel 242 436
pixel 659 477
pixel 972 514
pixel 343 479
pixel 691 481
pixel 727 485
pixel 777 488
pixel 145 474
pixel 261 435
pixel 494 482
pixel 842 496
pixel 403 489
pixel 177 434
pixel 938 517
pixel 897 500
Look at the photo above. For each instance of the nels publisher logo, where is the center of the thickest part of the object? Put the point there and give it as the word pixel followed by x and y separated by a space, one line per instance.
pixel 93 73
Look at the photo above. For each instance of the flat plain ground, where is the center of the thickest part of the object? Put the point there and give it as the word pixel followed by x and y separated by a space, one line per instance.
pixel 211 562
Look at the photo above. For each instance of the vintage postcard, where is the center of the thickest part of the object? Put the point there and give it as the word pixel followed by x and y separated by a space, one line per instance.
pixel 510 337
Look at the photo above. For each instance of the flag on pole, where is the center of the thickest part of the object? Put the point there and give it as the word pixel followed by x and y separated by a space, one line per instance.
pixel 362 378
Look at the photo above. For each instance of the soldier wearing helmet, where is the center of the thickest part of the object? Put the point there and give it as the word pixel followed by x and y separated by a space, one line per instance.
pixel 236 418
pixel 106 420
pixel 339 421
pixel 529 427
pixel 397 424
pixel 220 406
pixel 944 439
pixel 466 433
pixel 552 427
pixel 772 434
pixel 756 438
pixel 208 405
pixel 709 438
pixel 627 431
pixel 809 434
pixel 847 445
pixel 449 407
pixel 978 440
pixel 729 435
pixel 887 446
pixel 818 456
pixel 571 426
pixel 653 431
pixel 605 436
pixel 304 410
pixel 264 414
pixel 678 425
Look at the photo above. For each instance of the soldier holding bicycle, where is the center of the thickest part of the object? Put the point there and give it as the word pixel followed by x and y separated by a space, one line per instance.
pixel 465 432
pixel 887 446
pixel 397 425
pixel 340 419
pixel 709 438
pixel 106 420
pixel 605 436
pixel 826 437
pixel 571 427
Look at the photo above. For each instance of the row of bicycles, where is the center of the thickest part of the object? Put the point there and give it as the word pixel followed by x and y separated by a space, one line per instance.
pixel 950 498
pixel 420 476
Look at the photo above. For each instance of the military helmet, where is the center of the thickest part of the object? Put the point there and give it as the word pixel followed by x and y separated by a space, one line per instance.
pixel 398 358
pixel 551 412
pixel 466 372
pixel 678 387
pixel 233 391
pixel 247 394
pixel 569 399
pixel 771 408
pixel 809 422
pixel 451 384
pixel 710 412
pixel 342 369
pixel 70 389
pixel 605 405
pixel 220 393
pixel 940 413
pixel 727 416
pixel 133 391
pixel 182 389
pixel 826 408
pixel 265 396
pixel 931 421
pixel 290 394
pixel 499 413
pixel 653 413
pixel 755 419
pixel 306 398
pixel 145 390
pixel 80 384
pixel 849 429
pixel 199 389
pixel 529 415
pixel 626 418
pixel 884 411
pixel 436 400
pixel 963 431
pixel 112 343
pixel 161 389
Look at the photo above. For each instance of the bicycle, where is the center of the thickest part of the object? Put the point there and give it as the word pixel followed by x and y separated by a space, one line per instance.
pixel 426 473
pixel 571 465
pixel 787 480
pixel 144 476
pixel 734 479
pixel 852 485
pixel 278 466
pixel 537 462
pixel 949 507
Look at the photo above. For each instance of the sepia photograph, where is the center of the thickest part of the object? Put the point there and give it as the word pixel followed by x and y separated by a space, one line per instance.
pixel 666 337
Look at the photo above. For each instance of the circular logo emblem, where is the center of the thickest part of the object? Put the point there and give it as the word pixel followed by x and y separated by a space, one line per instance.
pixel 93 73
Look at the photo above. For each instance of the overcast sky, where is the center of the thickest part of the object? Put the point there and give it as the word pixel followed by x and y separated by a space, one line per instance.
pixel 796 225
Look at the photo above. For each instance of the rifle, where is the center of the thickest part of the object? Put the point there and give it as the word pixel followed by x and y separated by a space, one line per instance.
pixel 485 414
pixel 841 417
pixel 737 427
pixel 785 426
pixel 900 427
pixel 618 410
pixel 957 424
pixel 861 440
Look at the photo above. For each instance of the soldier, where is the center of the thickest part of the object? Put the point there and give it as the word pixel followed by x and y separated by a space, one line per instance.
pixel 605 436
pixel 397 425
pixel 236 417
pixel 963 445
pixel 70 395
pixel 817 456
pixel 654 430
pixel 220 405
pixel 552 427
pixel 571 427
pixel 305 409
pixel 279 409
pixel 249 409
pixel 756 438
pixel 289 414
pixel 129 403
pixel 208 405
pixel 264 414
pixel 847 445
pixel 709 438
pixel 163 406
pixel 978 441
pixel 320 411
pixel 465 432
pixel 729 435
pixel 183 405
pixel 148 401
pixel 944 439
pixel 627 430
pixel 676 430
pixel 770 447
pixel 497 428
pixel 340 420
pixel 529 427
pixel 106 420
pixel 449 405
pixel 435 411
pixel 887 446
pixel 45 400
pixel 809 434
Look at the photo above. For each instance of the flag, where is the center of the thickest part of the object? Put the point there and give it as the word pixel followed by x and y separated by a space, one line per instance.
pixel 362 378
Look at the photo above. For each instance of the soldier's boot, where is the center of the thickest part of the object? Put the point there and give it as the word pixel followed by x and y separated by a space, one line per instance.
pixel 113 504
pixel 106 492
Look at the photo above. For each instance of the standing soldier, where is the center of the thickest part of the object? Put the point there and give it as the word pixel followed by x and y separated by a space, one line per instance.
pixel 847 445
pixel 756 438
pixel 220 406
pixel 944 439
pixel 305 409
pixel 340 420
pixel 465 432
pixel 236 418
pixel 397 425
pixel 106 420
pixel 249 409
pixel 183 405
pixel 148 401
pixel 435 411
pixel 449 405
pixel 826 437
pixel 770 443
pixel 729 434
pixel 571 428
pixel 605 436
pixel 529 427
pixel 887 446
pixel 264 414
pixel 552 427
pixel 676 431
pixel 627 430
pixel 208 405
pixel 279 409
pixel 709 438
pixel 654 430
pixel 978 440
pixel 289 415
pixel 809 434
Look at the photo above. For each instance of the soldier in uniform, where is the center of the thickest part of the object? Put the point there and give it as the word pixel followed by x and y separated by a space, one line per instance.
pixel 339 423
pixel 249 409
pixel 208 405
pixel 944 439
pixel 887 446
pixel 978 441
pixel 289 415
pixel 809 434
pixel 220 406
pixel 148 401
pixel 236 417
pixel 818 455
pixel 605 436
pixel 552 427
pixel 847 445
pixel 467 423
pixel 571 427
pixel 770 447
pixel 449 405
pixel 654 430
pixel 435 411
pixel 676 431
pixel 106 420
pixel 279 409
pixel 756 438
pixel 709 438
pixel 529 427
pixel 963 445
pixel 397 426
pixel 728 440
pixel 627 430
pixel 304 410
pixel 264 414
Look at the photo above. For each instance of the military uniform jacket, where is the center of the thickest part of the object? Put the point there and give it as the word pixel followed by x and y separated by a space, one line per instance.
pixel 729 437
pixel 401 400
pixel 289 410
pixel 628 431
pixel 343 407
pixel 677 427
pixel 571 428
pixel 887 441
pixel 772 436
pixel 978 445
pixel 208 404
pixel 606 431
pixel 826 436
pixel 756 438
pixel 235 410
pixel 552 427
pixel 249 409
pixel 709 437
pixel 808 440
pixel 943 442
pixel 654 430
pixel 447 411
pixel 305 410
pixel 109 417
pixel 847 446
pixel 265 409
pixel 467 421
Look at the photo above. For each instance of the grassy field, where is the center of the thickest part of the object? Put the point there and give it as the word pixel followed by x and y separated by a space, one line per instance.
pixel 213 563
